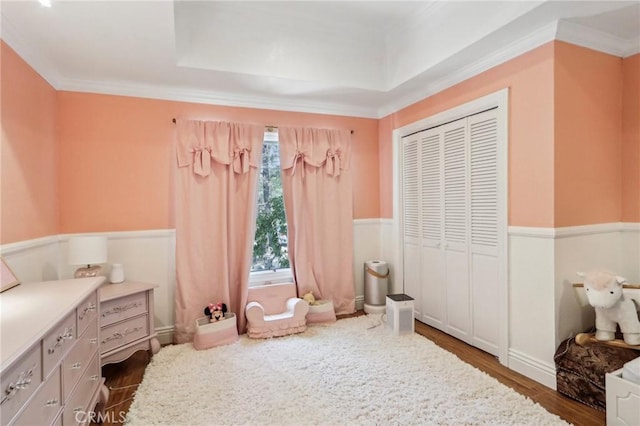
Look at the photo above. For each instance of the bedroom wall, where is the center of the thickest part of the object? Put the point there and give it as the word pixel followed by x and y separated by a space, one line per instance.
pixel 529 78
pixel 29 166
pixel 551 93
pixel 631 139
pixel 587 136
pixel 589 168
pixel 121 148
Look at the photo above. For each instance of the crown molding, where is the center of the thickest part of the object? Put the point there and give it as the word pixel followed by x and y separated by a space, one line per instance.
pixel 456 75
pixel 590 38
pixel 36 60
pixel 567 31
pixel 210 97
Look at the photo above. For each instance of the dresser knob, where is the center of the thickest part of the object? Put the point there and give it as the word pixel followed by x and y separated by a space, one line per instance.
pixel 51 402
pixel 9 392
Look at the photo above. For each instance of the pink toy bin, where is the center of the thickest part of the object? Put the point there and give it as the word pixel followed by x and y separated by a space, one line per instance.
pixel 321 313
pixel 210 334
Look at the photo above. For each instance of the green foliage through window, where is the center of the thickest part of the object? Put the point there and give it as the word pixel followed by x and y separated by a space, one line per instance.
pixel 270 242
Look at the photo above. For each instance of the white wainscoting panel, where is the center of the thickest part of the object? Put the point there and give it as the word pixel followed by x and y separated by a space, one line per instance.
pixel 150 256
pixel 366 246
pixel 387 253
pixel 147 256
pixel 582 252
pixel 531 307
pixel 33 260
pixel 630 246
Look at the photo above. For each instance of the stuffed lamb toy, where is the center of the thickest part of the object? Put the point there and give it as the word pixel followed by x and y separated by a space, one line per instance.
pixel 604 291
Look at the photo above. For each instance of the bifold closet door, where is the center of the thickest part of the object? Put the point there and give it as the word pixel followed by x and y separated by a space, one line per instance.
pixel 484 247
pixel 456 262
pixel 411 219
pixel 433 301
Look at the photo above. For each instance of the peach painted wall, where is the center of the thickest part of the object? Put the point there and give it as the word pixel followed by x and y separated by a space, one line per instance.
pixel 385 130
pixel 631 139
pixel 530 81
pixel 588 111
pixel 116 158
pixel 29 193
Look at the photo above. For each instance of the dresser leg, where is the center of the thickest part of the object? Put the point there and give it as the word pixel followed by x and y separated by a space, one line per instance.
pixel 103 398
pixel 155 346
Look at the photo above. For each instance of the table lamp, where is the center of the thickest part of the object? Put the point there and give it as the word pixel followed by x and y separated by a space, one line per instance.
pixel 88 251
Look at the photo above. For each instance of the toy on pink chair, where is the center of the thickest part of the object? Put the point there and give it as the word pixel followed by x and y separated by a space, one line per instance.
pixel 275 310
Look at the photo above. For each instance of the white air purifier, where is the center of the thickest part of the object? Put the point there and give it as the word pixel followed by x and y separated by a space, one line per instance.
pixel 400 313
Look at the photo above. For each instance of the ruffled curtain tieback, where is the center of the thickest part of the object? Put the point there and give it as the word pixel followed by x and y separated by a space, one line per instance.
pixel 332 164
pixel 241 160
pixel 201 161
pixel 299 156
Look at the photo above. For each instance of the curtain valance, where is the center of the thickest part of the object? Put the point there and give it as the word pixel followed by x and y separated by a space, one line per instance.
pixel 326 148
pixel 236 144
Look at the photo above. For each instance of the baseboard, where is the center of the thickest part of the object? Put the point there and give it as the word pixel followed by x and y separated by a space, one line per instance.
pixel 359 303
pixel 533 368
pixel 165 334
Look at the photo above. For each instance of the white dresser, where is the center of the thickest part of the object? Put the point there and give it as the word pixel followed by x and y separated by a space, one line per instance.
pixel 126 320
pixel 50 353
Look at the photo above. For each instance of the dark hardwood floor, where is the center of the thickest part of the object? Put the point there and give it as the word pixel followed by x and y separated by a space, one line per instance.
pixel 122 379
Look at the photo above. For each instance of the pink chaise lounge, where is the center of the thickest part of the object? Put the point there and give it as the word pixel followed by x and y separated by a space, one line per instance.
pixel 275 310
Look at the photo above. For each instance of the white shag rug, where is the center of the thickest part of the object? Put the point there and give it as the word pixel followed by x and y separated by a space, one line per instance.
pixel 345 373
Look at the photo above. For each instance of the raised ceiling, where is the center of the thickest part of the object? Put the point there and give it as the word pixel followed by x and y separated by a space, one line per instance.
pixel 363 58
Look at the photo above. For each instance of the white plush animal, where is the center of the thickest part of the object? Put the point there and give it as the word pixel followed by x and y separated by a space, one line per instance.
pixel 604 291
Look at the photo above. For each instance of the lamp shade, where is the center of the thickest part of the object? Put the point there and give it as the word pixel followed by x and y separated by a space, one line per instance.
pixel 87 250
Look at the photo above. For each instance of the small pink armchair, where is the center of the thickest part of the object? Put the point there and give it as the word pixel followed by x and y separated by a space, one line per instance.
pixel 275 310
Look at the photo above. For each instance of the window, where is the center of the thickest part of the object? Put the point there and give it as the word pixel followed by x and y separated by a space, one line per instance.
pixel 270 241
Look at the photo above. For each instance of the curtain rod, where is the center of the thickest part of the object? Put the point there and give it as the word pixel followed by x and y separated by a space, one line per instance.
pixel 269 128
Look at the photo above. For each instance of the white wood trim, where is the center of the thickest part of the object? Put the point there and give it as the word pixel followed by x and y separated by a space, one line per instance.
pixel 173 93
pixel 116 235
pixel 630 226
pixel 359 222
pixel 19 246
pixel 514 49
pixel 599 228
pixel 39 62
pixel 503 221
pixel 497 99
pixel 359 302
pixel 531 231
pixel 573 231
pixel 591 38
pixel 165 334
pixel 533 368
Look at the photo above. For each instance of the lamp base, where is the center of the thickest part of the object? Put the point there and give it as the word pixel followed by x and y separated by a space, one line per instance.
pixel 89 271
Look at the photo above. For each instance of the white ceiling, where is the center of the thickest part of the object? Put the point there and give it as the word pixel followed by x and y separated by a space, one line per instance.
pixel 363 58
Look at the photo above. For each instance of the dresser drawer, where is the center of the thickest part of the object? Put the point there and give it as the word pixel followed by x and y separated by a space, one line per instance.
pixel 122 308
pixel 120 334
pixel 19 383
pixel 86 311
pixel 76 362
pixel 57 342
pixel 76 410
pixel 45 405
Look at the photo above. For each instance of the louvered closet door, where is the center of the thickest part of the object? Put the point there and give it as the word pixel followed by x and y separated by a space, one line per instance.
pixel 411 219
pixel 433 287
pixel 456 270
pixel 484 229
